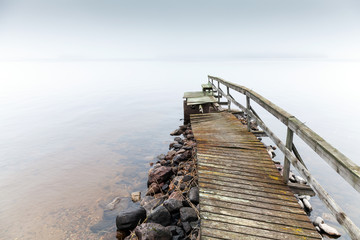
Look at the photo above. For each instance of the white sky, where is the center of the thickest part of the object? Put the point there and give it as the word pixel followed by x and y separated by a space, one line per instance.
pixel 201 30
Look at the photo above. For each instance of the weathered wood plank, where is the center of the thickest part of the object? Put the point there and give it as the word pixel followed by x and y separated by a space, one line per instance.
pixel 255 224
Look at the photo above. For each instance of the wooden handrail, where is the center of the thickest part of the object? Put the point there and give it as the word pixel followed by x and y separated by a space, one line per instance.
pixel 342 165
pixel 338 161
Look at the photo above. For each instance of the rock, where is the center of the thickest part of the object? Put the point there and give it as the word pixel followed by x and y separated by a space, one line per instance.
pixel 187 147
pixel 183 127
pixel 172 205
pixel 176 132
pixel 121 235
pixel 171 145
pixel 176 231
pixel 177 146
pixel 190 136
pixel 152 231
pixel 136 196
pixel 149 203
pixel 180 151
pixel 187 178
pixel 129 218
pixel 165 187
pixel 176 195
pixel 170 155
pixel 194 195
pixel 160 215
pixel 301 204
pixel 300 180
pixel 179 158
pixel 159 175
pixel 195 224
pixel 188 214
pixel 175 182
pixel 307 204
pixel 329 230
pixel 112 205
pixel 153 189
pixel 186 226
pixel 318 221
pixel 161 157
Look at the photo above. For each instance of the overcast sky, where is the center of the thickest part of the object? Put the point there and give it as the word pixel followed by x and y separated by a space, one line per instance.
pixel 223 29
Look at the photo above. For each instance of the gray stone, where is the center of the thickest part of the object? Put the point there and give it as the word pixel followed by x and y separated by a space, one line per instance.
pixel 177 146
pixel 149 203
pixel 188 214
pixel 172 205
pixel 129 218
pixel 176 231
pixel 160 215
pixel 187 178
pixel 194 195
pixel 152 231
pixel 186 226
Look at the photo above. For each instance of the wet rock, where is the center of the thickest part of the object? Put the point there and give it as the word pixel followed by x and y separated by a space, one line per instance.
pixel 187 147
pixel 129 218
pixel 179 158
pixel 179 140
pixel 165 187
pixel 175 182
pixel 183 127
pixel 176 195
pixel 170 155
pixel 182 186
pixel 149 203
pixel 152 231
pixel 112 204
pixel 187 178
pixel 319 222
pixel 153 189
pixel 177 146
pixel 176 231
pixel 136 196
pixel 195 224
pixel 180 151
pixel 176 132
pixel 188 214
pixel 160 215
pixel 159 175
pixel 186 226
pixel 171 145
pixel 194 195
pixel 190 136
pixel 172 205
pixel 161 157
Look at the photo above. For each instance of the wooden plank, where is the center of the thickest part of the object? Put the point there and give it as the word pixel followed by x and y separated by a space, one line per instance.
pixel 298 217
pixel 260 225
pixel 245 230
pixel 213 233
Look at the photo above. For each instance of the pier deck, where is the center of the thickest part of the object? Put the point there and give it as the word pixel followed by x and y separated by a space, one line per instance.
pixel 242 194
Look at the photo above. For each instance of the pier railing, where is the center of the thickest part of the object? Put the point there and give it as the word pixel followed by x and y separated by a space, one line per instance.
pixel 339 162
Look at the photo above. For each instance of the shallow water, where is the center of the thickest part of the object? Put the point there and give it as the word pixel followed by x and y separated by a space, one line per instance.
pixel 75 135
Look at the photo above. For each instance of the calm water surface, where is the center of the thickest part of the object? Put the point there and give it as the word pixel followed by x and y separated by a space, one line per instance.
pixel 76 135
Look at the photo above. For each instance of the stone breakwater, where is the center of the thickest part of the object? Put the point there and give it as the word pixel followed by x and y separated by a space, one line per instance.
pixel 170 209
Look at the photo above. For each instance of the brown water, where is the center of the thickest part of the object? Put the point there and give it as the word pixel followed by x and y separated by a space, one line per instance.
pixel 76 135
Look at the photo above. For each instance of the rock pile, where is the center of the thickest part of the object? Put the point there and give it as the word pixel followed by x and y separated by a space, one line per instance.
pixel 170 208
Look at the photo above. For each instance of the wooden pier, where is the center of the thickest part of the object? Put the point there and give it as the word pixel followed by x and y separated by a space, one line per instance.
pixel 242 194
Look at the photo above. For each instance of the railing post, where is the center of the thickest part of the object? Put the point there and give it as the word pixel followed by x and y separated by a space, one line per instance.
pixel 289 142
pixel 248 115
pixel 228 93
pixel 218 93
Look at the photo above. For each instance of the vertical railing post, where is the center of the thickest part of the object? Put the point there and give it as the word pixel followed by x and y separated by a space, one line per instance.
pixel 248 111
pixel 289 142
pixel 228 93
pixel 218 93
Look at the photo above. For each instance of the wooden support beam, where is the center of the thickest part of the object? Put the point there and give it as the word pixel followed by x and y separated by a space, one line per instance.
pixel 286 169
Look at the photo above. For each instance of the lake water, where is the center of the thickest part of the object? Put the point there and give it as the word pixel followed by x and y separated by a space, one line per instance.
pixel 75 135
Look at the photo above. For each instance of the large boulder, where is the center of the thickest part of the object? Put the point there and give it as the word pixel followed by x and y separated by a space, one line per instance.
pixel 188 214
pixel 152 231
pixel 128 219
pixel 159 175
pixel 160 215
